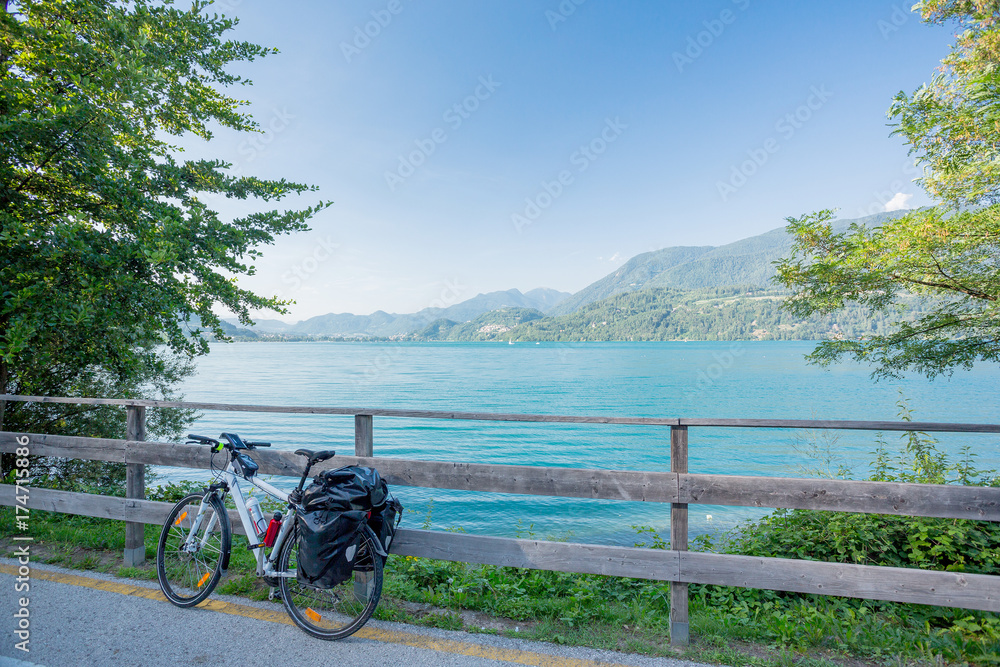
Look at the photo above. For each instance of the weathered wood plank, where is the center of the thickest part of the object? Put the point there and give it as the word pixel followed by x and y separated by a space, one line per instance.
pixel 105 507
pixel 573 419
pixel 363 436
pixel 680 633
pixel 558 556
pixel 947 589
pixel 66 502
pixel 91 449
pixel 845 425
pixel 933 500
pixel 942 589
pixel 565 482
pixel 135 487
pixel 378 412
pixel 946 501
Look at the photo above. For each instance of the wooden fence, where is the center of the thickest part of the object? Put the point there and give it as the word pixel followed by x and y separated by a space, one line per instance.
pixel 678 488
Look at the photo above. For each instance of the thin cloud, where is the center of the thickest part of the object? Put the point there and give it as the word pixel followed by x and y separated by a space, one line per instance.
pixel 899 202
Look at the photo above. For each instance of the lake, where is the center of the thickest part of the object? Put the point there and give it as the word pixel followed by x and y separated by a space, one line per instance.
pixel 672 379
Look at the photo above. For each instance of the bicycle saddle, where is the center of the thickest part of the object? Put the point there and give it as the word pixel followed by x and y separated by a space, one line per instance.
pixel 316 457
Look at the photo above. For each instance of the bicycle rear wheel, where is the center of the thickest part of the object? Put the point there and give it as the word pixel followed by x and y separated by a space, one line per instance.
pixel 189 560
pixel 338 612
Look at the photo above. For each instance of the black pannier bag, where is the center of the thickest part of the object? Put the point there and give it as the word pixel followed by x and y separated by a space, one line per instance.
pixel 385 521
pixel 328 543
pixel 336 506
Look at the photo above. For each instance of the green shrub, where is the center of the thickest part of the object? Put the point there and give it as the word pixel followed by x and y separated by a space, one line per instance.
pixel 864 626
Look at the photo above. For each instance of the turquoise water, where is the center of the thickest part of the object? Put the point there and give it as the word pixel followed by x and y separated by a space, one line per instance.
pixel 723 380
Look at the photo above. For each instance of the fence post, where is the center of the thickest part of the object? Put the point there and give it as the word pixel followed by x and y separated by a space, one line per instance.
pixel 135 487
pixel 363 446
pixel 363 436
pixel 679 628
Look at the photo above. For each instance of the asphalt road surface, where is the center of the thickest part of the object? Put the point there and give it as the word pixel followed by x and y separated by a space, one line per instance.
pixel 83 618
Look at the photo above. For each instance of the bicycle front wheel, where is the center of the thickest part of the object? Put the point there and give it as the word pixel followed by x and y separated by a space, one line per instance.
pixel 194 549
pixel 338 612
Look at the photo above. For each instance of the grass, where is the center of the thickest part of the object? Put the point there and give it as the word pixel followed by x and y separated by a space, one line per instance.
pixel 728 626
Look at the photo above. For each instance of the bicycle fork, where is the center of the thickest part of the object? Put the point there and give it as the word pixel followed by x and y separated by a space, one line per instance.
pixel 197 540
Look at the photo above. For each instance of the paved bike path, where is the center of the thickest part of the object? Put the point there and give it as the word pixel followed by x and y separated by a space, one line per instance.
pixel 94 619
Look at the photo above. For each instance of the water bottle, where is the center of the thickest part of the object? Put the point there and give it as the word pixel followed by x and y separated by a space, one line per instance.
pixel 256 516
pixel 272 530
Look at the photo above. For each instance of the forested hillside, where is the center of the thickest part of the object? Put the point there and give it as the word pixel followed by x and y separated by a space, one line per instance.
pixel 748 261
pixel 663 314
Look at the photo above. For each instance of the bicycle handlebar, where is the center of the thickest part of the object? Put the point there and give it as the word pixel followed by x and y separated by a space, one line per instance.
pixel 233 441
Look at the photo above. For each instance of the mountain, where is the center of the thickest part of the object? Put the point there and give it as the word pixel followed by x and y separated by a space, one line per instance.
pixel 383 324
pixel 680 273
pixel 267 326
pixel 747 262
pixel 494 324
pixel 662 314
pixel 634 275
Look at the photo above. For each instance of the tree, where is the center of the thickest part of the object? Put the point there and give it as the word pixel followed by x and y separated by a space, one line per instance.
pixel 108 248
pixel 948 254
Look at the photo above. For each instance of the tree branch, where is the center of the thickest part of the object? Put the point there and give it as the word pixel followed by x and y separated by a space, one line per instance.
pixel 52 154
pixel 951 288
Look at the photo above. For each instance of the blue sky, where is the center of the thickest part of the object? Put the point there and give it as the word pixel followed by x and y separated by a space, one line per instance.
pixel 489 145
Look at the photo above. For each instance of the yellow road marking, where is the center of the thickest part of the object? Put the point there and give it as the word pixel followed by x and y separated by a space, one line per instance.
pixel 514 656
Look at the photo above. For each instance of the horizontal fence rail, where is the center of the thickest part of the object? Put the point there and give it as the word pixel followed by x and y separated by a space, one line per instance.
pixel 931 500
pixel 565 419
pixel 677 488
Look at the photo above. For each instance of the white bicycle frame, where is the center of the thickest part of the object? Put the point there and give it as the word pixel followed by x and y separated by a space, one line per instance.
pixel 265 566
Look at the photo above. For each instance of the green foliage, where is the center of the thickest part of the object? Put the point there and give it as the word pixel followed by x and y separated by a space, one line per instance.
pixel 171 492
pixel 953 122
pixel 941 259
pixel 946 254
pixel 494 325
pixel 874 539
pixel 520 594
pixel 107 245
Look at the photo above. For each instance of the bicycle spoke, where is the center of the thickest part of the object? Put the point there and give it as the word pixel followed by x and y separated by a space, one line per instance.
pixel 189 561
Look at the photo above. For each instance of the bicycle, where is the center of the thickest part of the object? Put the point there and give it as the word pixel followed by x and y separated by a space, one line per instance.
pixel 196 542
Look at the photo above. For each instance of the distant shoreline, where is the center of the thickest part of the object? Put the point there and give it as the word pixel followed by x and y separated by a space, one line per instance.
pixel 247 339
